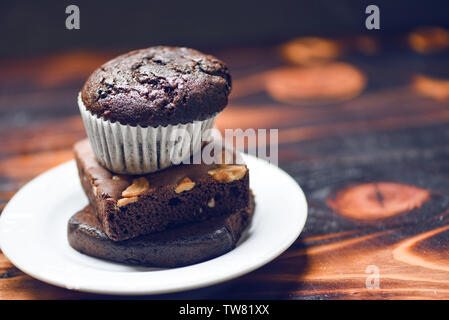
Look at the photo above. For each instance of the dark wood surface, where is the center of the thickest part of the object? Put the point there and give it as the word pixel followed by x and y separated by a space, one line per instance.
pixel 374 166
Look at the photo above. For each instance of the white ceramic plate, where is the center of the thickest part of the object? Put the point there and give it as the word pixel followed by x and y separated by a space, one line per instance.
pixel 33 235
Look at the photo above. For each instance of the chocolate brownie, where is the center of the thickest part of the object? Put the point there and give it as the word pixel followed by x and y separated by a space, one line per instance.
pixel 158 86
pixel 174 247
pixel 129 206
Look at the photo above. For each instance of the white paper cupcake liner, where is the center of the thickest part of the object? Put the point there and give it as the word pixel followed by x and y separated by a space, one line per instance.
pixel 138 150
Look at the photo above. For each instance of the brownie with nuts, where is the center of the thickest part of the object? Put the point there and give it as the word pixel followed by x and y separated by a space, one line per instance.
pixel 175 247
pixel 158 86
pixel 128 206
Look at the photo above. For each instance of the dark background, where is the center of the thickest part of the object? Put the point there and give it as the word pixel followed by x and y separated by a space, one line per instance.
pixel 38 27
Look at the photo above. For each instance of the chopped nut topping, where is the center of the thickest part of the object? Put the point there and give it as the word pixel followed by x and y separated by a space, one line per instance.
pixel 185 185
pixel 138 187
pixel 211 203
pixel 124 201
pixel 228 173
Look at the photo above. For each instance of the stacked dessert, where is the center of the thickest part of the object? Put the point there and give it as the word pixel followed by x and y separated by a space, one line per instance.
pixel 146 113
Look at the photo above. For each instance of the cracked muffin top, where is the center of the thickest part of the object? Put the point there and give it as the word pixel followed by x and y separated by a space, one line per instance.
pixel 158 86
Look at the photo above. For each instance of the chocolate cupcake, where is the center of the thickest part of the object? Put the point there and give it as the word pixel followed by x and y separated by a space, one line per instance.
pixel 148 109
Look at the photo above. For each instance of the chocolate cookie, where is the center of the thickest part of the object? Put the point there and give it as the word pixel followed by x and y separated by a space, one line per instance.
pixel 128 206
pixel 175 247
pixel 158 86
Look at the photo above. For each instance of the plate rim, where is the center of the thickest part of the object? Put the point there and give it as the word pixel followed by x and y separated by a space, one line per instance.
pixel 302 201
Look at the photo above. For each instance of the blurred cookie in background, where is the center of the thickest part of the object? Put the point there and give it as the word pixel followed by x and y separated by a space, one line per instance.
pixel 310 50
pixel 431 87
pixel 315 84
pixel 429 39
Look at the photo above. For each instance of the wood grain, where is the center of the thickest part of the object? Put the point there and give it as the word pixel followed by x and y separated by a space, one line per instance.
pixel 375 170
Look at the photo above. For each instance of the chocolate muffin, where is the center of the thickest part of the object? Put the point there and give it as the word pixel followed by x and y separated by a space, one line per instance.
pixel 158 86
pixel 141 106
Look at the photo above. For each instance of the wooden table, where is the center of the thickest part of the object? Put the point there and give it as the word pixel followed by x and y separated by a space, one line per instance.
pixel 374 167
